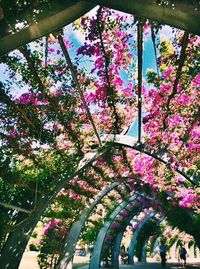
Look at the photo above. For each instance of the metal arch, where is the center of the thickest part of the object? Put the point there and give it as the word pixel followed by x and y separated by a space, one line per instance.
pixel 134 238
pixel 131 142
pixel 183 16
pixel 117 242
pixel 74 233
pixel 96 254
pixel 131 249
pixel 144 251
pixel 68 12
pixel 72 238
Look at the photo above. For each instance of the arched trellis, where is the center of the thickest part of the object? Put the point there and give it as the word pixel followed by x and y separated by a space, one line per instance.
pixel 98 247
pixel 134 239
pixel 74 233
pixel 117 242
pixel 142 252
pixel 96 254
pixel 131 249
pixel 118 235
pixel 69 247
pixel 25 229
pixel 40 209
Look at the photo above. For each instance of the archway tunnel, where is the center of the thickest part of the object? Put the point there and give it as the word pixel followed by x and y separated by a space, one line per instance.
pixel 99 130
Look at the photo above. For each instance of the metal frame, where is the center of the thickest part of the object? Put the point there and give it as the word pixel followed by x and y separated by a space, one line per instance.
pixel 183 16
pixel 117 242
pixel 67 13
pixel 74 233
pixel 140 60
pixel 96 254
pixel 131 249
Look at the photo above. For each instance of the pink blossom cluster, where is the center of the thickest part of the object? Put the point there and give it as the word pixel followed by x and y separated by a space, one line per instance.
pixel 135 227
pixel 74 196
pixel 50 225
pixel 124 213
pixel 188 198
pixel 32 98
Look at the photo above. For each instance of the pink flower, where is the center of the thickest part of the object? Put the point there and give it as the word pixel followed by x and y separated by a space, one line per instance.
pixel 196 80
pixel 135 227
pixel 167 73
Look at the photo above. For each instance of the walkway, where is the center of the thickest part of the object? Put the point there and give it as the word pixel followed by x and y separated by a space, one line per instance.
pixel 158 266
pixel 154 266
pixel 30 261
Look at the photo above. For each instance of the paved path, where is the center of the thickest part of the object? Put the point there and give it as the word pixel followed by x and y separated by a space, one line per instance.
pixel 154 266
pixel 158 266
pixel 29 261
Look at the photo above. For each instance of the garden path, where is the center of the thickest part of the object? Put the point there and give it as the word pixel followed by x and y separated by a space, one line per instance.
pixel 155 266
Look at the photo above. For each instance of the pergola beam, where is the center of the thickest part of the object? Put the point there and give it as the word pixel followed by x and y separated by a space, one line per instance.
pixel 78 86
pixel 66 13
pixel 182 15
pixel 140 54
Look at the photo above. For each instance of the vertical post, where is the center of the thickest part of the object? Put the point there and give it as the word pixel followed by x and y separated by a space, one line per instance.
pixel 140 57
